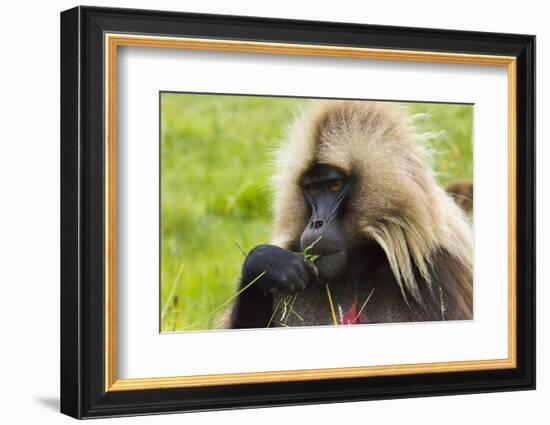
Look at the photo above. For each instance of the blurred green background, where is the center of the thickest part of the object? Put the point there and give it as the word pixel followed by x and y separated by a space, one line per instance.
pixel 215 203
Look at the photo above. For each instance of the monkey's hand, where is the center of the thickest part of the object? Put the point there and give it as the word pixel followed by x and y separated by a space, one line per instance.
pixel 285 271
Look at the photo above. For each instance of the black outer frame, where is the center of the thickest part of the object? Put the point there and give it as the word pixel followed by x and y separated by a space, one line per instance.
pixel 82 216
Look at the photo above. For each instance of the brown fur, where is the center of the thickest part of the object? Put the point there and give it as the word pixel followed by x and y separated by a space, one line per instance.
pixel 463 194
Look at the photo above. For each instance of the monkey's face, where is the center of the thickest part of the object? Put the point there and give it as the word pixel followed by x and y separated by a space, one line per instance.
pixel 326 191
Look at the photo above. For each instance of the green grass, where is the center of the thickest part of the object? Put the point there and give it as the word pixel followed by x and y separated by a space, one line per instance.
pixel 215 165
pixel 452 126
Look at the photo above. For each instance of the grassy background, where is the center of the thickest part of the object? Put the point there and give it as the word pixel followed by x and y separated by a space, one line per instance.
pixel 215 165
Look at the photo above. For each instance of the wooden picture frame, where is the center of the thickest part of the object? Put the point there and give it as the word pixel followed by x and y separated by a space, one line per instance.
pixel 90 39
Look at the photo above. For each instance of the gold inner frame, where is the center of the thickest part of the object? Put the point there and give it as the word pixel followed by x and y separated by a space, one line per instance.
pixel 113 41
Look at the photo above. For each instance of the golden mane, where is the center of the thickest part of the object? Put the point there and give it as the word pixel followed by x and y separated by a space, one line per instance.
pixel 397 201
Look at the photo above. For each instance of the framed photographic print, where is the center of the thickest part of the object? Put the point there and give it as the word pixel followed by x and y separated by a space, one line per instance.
pixel 261 212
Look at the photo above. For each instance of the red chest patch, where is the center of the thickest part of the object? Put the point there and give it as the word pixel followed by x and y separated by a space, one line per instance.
pixel 353 316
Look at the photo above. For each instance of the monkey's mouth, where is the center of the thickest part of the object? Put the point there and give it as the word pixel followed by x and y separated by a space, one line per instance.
pixel 331 266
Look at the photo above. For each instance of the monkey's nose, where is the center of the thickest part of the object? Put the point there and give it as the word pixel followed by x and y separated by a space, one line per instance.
pixel 317 224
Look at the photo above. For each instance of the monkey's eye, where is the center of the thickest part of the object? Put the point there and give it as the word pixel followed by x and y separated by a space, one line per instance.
pixel 336 185
pixel 314 188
